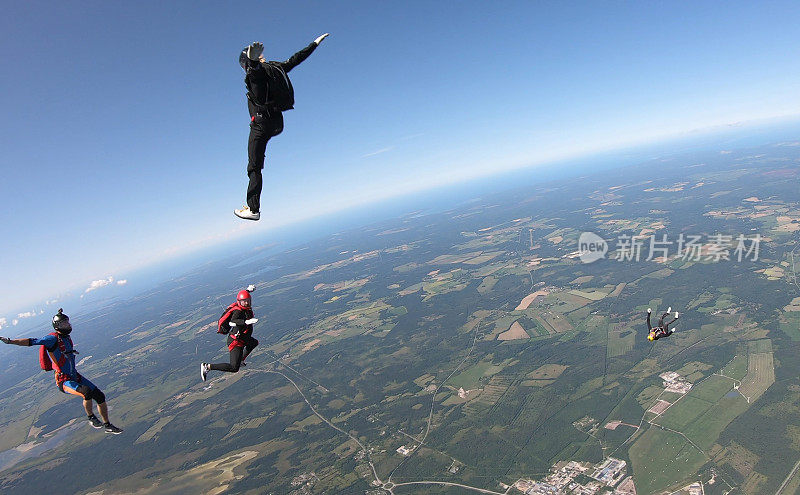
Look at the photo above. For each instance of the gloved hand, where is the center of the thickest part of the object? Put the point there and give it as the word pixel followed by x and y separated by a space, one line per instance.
pixel 5 340
pixel 254 50
pixel 649 310
pixel 676 315
pixel 251 321
pixel 251 288
pixel 321 37
pixel 669 309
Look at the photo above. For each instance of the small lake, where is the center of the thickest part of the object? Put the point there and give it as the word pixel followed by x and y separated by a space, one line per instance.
pixel 10 457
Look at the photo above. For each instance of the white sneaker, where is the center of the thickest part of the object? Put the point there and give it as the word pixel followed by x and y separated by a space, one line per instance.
pixel 204 370
pixel 246 214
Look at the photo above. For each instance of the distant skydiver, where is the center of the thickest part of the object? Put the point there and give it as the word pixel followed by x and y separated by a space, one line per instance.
pixel 269 93
pixel 662 329
pixel 237 322
pixel 57 354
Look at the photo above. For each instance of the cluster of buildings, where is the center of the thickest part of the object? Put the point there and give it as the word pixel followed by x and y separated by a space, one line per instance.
pixel 674 382
pixel 582 478
pixel 610 471
pixel 695 489
pixel 405 451
pixel 306 479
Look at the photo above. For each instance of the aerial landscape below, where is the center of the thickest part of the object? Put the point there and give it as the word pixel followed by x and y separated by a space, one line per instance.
pixel 468 349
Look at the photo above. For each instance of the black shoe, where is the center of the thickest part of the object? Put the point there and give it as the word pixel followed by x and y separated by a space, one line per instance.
pixel 242 364
pixel 96 423
pixel 112 429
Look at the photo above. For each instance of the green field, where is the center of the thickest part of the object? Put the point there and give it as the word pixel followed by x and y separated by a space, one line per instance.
pixel 591 294
pixel 470 378
pixel 620 341
pixel 760 375
pixel 762 345
pixel 700 416
pixel 487 284
pixel 712 389
pixel 647 396
pixel 790 325
pixel 705 411
pixel 661 274
pixel 671 396
pixel 706 429
pixel 661 458
pixel 684 412
pixel 737 368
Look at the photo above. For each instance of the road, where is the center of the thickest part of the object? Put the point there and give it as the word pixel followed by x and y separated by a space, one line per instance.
pixel 323 418
pixel 388 485
pixel 788 478
pixel 433 399
pixel 445 483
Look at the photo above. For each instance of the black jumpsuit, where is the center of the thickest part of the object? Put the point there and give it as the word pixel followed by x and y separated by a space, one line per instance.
pixel 662 330
pixel 245 334
pixel 265 122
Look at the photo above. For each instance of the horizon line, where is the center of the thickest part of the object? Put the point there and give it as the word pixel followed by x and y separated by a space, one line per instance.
pixel 243 231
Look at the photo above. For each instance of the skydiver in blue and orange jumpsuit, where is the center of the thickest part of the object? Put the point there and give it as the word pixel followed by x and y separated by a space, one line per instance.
pixel 58 354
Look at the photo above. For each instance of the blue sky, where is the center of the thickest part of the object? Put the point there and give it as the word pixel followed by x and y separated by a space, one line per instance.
pixel 124 125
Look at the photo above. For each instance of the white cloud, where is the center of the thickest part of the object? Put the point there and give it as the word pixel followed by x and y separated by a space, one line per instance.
pixel 26 314
pixel 122 282
pixel 99 283
pixel 14 322
pixel 3 322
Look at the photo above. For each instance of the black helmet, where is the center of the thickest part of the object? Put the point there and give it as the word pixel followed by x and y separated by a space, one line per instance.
pixel 61 322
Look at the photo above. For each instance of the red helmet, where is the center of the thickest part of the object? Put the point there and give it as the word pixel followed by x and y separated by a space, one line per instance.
pixel 243 298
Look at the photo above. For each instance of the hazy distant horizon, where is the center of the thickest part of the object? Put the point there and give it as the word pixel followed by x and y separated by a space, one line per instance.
pixel 142 278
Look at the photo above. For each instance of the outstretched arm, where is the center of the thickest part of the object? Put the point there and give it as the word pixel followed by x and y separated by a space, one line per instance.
pixel 238 323
pixel 241 320
pixel 649 326
pixel 22 342
pixel 298 57
pixel 303 54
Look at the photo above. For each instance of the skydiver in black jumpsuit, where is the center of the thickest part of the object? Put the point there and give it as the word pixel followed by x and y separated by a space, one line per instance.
pixel 662 329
